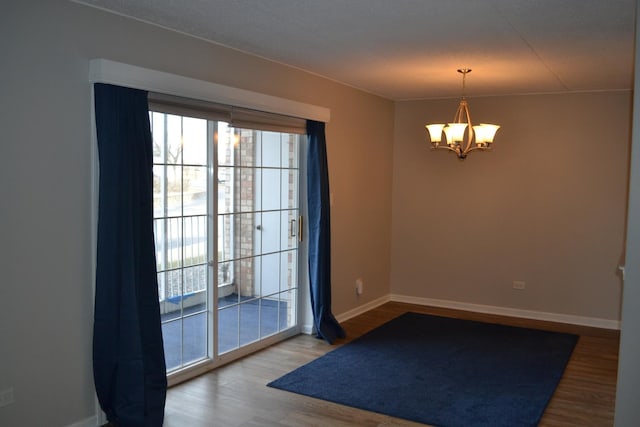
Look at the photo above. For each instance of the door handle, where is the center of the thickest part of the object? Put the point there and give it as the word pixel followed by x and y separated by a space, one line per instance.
pixel 293 229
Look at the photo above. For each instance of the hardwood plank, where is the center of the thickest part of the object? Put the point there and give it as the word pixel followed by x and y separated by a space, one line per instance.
pixel 237 395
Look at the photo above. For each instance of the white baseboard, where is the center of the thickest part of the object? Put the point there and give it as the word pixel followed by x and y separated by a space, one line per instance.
pixel 513 312
pixel 363 308
pixel 310 330
pixel 87 422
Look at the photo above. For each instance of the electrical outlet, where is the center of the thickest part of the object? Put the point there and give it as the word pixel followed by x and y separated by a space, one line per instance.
pixel 6 397
pixel 519 285
pixel 359 286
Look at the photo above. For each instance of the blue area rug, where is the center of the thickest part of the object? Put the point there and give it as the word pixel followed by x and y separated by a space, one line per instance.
pixel 441 371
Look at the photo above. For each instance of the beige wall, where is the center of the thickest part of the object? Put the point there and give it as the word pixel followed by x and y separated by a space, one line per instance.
pixel 45 345
pixel 547 206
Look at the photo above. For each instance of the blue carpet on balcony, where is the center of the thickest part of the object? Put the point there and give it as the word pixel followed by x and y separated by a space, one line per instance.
pixel 441 371
pixel 239 324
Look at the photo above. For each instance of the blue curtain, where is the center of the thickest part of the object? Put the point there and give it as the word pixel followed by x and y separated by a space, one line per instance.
pixel 327 327
pixel 128 356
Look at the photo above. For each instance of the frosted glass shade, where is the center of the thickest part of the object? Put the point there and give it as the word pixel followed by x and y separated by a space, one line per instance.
pixel 455 132
pixel 435 132
pixel 485 132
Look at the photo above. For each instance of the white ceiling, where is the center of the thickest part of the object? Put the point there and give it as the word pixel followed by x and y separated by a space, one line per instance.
pixel 410 49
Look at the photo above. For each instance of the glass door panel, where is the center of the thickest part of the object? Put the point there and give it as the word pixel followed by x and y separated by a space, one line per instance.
pixel 262 216
pixel 181 230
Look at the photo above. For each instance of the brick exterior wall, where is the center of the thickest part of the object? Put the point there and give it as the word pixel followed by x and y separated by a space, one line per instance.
pixel 245 223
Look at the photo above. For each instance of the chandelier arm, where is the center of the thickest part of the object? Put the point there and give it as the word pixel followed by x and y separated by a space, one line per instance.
pixel 487 148
pixel 444 147
pixel 459 153
pixel 456 150
pixel 469 145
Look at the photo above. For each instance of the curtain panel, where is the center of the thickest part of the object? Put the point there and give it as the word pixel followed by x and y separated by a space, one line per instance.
pixel 128 355
pixel 326 325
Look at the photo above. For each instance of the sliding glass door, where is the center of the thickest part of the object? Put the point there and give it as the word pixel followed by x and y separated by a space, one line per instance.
pixel 226 222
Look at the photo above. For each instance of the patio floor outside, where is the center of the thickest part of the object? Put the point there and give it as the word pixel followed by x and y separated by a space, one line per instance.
pixel 240 322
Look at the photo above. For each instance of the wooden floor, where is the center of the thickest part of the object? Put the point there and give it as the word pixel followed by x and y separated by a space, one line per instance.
pixel 237 395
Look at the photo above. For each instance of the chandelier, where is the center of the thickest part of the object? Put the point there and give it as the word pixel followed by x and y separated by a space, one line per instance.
pixel 455 132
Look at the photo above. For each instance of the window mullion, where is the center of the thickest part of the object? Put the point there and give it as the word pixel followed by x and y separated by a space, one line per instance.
pixel 212 241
